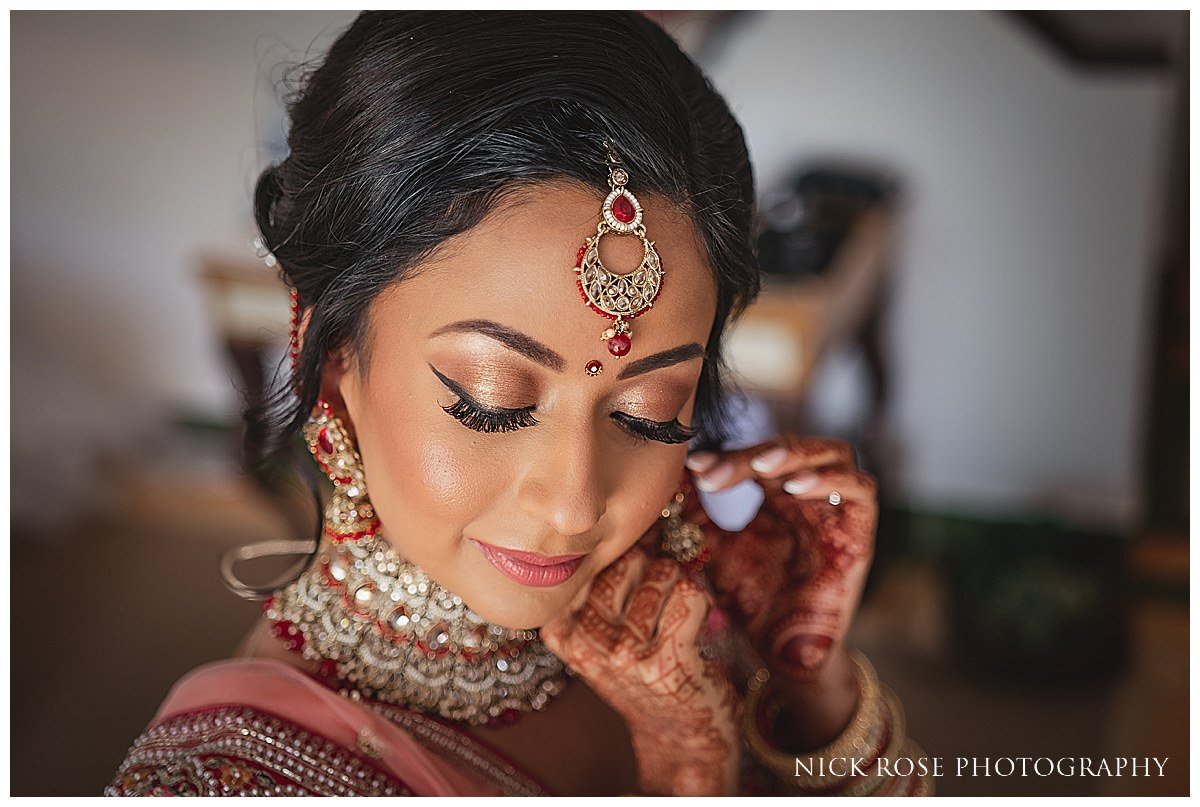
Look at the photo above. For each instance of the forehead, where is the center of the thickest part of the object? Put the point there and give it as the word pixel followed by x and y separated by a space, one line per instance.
pixel 517 267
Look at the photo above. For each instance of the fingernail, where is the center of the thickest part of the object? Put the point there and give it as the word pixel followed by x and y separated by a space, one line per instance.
pixel 801 484
pixel 701 461
pixel 769 460
pixel 715 478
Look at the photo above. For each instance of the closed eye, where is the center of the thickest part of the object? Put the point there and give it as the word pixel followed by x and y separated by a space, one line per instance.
pixel 671 431
pixel 474 415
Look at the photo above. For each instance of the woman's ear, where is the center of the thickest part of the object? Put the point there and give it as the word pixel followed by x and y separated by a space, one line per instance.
pixel 334 378
pixel 334 374
pixel 338 367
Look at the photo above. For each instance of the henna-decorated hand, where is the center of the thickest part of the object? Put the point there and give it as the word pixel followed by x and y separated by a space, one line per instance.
pixel 635 640
pixel 792 578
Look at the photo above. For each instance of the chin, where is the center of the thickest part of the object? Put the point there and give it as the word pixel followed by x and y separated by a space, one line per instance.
pixel 496 602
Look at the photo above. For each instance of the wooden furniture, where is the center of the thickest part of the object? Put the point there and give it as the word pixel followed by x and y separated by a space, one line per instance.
pixel 249 305
pixel 777 346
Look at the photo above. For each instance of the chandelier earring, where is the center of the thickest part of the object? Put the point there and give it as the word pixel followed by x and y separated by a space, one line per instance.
pixel 349 514
pixel 682 540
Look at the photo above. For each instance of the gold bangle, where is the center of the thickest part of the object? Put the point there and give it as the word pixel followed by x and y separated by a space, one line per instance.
pixel 917 783
pixel 893 720
pixel 862 735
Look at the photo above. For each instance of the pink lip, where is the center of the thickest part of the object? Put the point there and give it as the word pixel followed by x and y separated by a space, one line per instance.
pixel 530 568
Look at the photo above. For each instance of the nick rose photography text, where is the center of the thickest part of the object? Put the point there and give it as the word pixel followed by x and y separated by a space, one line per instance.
pixel 982 766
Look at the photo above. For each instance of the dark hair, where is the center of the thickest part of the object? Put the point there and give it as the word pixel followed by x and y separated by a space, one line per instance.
pixel 417 123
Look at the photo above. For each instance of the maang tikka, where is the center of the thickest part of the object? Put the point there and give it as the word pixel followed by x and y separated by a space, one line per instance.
pixel 620 297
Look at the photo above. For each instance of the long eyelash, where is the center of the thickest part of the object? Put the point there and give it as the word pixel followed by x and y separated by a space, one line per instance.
pixel 487 420
pixel 480 418
pixel 662 431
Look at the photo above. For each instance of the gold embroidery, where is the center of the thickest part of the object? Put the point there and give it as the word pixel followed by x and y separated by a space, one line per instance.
pixel 236 750
pixel 454 745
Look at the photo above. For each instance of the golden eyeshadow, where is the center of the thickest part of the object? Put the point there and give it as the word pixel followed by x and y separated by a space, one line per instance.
pixel 491 383
pixel 657 401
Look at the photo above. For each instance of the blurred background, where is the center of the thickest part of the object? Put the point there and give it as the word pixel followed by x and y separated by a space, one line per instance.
pixel 975 229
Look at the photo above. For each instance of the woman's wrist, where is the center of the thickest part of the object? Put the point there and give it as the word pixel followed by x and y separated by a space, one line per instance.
pixel 686 760
pixel 816 708
pixel 672 775
pixel 864 759
pixel 816 770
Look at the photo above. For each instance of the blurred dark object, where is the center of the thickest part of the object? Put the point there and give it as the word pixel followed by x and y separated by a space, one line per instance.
pixel 806 221
pixel 1107 40
pixel 1167 483
pixel 1037 603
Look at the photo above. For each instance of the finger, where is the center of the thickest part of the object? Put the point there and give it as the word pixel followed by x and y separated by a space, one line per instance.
pixel 823 484
pixel 605 596
pixel 774 459
pixel 598 630
pixel 556 633
pixel 684 613
pixel 800 453
pixel 611 589
pixel 647 600
pixel 693 510
pixel 586 636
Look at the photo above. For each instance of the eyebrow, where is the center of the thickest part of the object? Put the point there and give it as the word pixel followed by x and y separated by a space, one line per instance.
pixel 511 338
pixel 534 350
pixel 666 358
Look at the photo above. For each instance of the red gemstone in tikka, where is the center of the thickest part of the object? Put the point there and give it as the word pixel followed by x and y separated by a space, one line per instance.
pixel 324 443
pixel 622 209
pixel 619 345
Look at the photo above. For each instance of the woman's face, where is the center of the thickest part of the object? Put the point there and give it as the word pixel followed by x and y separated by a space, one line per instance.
pixel 488 500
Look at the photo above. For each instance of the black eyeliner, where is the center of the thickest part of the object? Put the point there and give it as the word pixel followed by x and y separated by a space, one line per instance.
pixel 457 389
pixel 470 413
pixel 663 431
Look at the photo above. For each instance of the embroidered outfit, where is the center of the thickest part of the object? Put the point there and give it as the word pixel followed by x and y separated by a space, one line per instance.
pixel 253 727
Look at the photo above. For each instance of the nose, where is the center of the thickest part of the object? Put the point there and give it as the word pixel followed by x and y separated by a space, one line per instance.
pixel 562 486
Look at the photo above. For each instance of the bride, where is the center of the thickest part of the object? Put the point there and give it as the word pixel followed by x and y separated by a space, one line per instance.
pixel 515 241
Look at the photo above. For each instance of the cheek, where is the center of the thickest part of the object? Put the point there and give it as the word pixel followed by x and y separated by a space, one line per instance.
pixel 436 471
pixel 445 473
pixel 423 478
pixel 426 473
pixel 644 492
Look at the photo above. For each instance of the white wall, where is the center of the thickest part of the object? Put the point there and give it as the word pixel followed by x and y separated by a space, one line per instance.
pixel 1018 330
pixel 134 146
